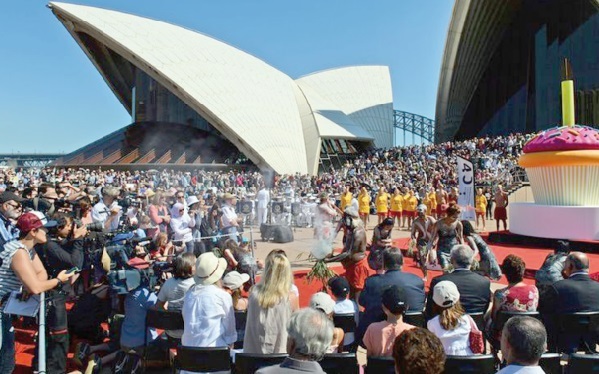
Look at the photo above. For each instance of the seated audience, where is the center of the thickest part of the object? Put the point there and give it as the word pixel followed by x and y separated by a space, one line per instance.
pixel 551 270
pixel 232 283
pixel 418 351
pixel 523 341
pixel 172 292
pixel 310 333
pixel 339 287
pixel 323 302
pixel 380 336
pixel 475 290
pixel 371 296
pixel 451 324
pixel 488 263
pixel 516 297
pixel 208 309
pixel 576 293
pixel 271 301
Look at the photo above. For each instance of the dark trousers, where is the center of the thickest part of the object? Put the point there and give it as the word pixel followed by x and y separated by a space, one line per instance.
pixel 57 335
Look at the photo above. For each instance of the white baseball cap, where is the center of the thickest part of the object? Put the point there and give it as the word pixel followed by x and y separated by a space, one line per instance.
pixel 446 294
pixel 233 280
pixel 322 301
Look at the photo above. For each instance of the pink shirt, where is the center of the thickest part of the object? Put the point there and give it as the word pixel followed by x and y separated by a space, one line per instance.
pixel 380 336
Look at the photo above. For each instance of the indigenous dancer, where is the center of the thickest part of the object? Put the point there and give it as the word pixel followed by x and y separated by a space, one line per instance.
pixel 422 232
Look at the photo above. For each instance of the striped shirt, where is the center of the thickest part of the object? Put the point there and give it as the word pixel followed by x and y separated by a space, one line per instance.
pixel 8 279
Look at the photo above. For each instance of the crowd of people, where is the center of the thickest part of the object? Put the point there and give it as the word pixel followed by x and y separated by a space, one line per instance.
pixel 105 243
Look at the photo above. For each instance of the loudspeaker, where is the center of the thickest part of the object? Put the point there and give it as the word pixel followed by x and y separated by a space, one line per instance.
pixel 282 234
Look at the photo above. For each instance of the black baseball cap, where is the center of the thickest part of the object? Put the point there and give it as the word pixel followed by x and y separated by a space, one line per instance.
pixel 8 196
pixel 394 299
pixel 339 286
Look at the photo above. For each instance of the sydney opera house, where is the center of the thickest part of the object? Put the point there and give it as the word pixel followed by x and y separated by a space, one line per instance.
pixel 194 100
pixel 501 67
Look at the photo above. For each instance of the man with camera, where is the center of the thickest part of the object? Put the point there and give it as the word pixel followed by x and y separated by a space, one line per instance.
pixel 45 201
pixel 64 251
pixel 107 210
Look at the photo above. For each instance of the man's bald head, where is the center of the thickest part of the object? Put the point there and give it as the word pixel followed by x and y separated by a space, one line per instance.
pixel 579 261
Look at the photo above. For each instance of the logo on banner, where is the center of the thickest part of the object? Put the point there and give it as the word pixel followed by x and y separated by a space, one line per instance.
pixel 466 189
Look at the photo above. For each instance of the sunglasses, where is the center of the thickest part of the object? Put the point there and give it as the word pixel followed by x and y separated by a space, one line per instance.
pixel 15 205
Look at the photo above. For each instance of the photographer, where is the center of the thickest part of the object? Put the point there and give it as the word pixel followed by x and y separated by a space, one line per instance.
pixel 45 200
pixel 63 251
pixel 108 210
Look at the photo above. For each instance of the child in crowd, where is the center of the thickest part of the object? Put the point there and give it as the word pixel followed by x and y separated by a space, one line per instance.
pixel 380 336
pixel 323 302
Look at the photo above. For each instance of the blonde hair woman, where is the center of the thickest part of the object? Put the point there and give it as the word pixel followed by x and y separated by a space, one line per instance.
pixel 270 306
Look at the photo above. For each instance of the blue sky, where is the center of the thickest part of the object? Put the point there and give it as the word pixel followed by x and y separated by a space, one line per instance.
pixel 52 99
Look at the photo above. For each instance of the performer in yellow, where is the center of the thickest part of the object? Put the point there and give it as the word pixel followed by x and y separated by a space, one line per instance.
pixel 382 204
pixel 431 202
pixel 346 197
pixel 410 211
pixel 396 207
pixel 364 205
pixel 480 206
pixel 406 196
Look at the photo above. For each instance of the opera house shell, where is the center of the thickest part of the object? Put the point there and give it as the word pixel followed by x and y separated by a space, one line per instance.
pixel 195 100
pixel 500 71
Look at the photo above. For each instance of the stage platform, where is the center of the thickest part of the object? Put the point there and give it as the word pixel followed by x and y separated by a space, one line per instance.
pixel 507 237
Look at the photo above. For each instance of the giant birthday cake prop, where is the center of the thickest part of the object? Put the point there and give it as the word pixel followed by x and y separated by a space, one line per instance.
pixel 562 164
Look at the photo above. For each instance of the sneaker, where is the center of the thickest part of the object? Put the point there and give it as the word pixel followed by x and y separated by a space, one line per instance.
pixel 82 351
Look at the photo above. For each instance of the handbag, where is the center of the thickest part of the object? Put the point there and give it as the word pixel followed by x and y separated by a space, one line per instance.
pixel 477 343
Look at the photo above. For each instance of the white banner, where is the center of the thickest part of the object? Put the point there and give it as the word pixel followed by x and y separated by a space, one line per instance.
pixel 466 189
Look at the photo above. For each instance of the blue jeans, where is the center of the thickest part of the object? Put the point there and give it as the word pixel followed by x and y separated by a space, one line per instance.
pixel 7 351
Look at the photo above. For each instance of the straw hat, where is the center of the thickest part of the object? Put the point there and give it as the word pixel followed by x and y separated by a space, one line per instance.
pixel 209 268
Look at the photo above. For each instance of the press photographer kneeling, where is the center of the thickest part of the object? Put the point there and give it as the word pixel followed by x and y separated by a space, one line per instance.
pixel 63 251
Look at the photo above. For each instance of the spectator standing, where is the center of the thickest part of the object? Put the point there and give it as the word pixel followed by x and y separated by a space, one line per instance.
pixel 159 212
pixel 20 266
pixel 451 325
pixel 208 314
pixel 107 210
pixel 10 211
pixel 232 283
pixel 182 224
pixel 229 220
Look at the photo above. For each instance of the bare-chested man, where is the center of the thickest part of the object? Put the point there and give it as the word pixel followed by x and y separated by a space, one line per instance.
pixel 422 232
pixel 353 257
pixel 441 195
pixel 501 203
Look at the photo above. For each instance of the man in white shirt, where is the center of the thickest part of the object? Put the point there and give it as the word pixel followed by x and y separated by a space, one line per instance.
pixel 207 308
pixel 523 341
pixel 263 198
pixel 229 219
pixel 108 211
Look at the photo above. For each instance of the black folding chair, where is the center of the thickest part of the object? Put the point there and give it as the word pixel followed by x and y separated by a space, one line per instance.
pixel 379 365
pixel 551 363
pixel 250 362
pixel 204 360
pixel 583 363
pixel 578 330
pixel 346 322
pixel 340 363
pixel 476 364
pixel 240 321
pixel 415 319
pixel 162 320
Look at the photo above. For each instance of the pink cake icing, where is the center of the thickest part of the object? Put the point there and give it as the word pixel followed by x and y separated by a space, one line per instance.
pixel 563 138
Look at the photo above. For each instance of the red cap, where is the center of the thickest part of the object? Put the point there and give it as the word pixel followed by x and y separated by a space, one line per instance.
pixel 33 220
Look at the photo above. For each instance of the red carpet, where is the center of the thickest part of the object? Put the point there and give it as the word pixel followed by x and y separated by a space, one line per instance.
pixel 533 257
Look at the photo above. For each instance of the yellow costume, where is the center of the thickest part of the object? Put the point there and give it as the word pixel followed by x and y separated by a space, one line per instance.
pixel 364 203
pixel 396 203
pixel 481 204
pixel 382 203
pixel 345 200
